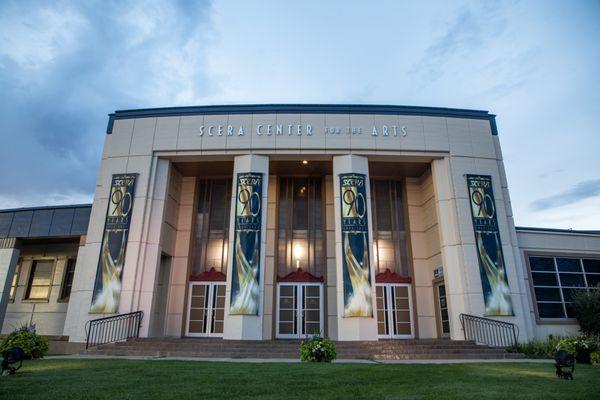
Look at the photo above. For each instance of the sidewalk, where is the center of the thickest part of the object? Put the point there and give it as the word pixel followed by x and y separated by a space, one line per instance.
pixel 295 360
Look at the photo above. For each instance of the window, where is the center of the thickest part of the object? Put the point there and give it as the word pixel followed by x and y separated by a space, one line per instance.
pixel 65 291
pixel 14 284
pixel 300 226
pixel 389 232
pixel 556 279
pixel 212 225
pixel 40 280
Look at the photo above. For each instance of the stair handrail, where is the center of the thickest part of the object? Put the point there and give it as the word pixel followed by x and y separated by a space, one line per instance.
pixel 113 329
pixel 489 331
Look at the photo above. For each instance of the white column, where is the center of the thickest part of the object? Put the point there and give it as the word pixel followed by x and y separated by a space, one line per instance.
pixel 352 328
pixel 455 272
pixel 9 256
pixel 140 274
pixel 143 249
pixel 247 327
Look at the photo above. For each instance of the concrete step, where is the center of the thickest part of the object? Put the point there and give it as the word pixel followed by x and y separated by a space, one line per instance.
pixel 294 346
pixel 278 344
pixel 375 350
pixel 408 356
pixel 400 342
pixel 295 350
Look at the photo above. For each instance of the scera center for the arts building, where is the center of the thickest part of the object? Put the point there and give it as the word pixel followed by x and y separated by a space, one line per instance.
pixel 285 221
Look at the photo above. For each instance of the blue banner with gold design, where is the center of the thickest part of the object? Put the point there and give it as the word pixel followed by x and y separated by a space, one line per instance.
pixel 245 287
pixel 107 287
pixel 355 246
pixel 496 291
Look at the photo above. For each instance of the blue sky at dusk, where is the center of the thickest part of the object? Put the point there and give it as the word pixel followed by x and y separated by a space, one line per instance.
pixel 65 65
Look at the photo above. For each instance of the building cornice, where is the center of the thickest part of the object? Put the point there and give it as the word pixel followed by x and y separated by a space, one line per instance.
pixel 303 108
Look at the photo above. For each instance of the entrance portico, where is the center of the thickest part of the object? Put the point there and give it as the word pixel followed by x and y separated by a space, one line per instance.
pixel 362 202
pixel 301 278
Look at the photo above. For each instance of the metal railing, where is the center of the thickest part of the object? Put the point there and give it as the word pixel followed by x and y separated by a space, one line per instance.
pixel 489 331
pixel 113 329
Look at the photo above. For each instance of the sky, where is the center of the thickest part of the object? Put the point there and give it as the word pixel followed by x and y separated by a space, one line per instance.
pixel 535 64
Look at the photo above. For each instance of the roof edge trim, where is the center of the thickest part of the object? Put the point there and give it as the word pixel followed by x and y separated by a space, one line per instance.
pixel 556 230
pixel 303 108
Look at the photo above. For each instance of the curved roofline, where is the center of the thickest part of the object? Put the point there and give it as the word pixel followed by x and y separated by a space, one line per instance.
pixel 302 108
pixel 556 230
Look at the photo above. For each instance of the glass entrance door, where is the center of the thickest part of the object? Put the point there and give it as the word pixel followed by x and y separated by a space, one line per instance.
pixel 443 323
pixel 394 307
pixel 299 310
pixel 206 309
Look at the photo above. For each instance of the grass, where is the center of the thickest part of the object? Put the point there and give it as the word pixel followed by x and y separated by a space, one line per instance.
pixel 158 379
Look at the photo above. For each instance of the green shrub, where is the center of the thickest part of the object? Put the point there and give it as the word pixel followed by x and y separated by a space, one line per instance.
pixel 586 308
pixel 537 348
pixel 595 357
pixel 580 347
pixel 317 349
pixel 34 345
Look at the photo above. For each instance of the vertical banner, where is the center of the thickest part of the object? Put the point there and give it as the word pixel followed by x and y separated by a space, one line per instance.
pixel 245 288
pixel 355 246
pixel 496 291
pixel 107 287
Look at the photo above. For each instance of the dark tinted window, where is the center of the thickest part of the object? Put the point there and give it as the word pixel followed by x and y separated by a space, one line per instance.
pixel 65 291
pixel 556 279
pixel 541 263
pixel 551 310
pixel 568 264
pixel 544 279
pixel 300 225
pixel 212 225
pixel 389 230
pixel 591 266
pixel 547 294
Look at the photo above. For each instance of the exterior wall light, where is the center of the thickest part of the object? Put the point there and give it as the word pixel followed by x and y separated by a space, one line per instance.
pixel 298 253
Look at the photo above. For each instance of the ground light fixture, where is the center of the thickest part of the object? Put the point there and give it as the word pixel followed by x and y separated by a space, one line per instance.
pixel 564 364
pixel 10 359
pixel 304 162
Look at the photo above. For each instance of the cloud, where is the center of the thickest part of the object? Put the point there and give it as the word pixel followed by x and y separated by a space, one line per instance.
pixel 581 191
pixel 464 35
pixel 65 65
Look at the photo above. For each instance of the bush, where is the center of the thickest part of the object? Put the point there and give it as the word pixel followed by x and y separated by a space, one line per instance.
pixel 317 349
pixel 34 345
pixel 586 308
pixel 595 357
pixel 537 348
pixel 580 347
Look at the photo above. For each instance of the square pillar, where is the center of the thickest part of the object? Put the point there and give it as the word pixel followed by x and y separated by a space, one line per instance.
pixel 9 256
pixel 237 326
pixel 352 328
pixel 140 275
pixel 450 245
pixel 143 249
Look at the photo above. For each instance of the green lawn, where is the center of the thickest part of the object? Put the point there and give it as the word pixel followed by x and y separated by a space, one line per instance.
pixel 133 379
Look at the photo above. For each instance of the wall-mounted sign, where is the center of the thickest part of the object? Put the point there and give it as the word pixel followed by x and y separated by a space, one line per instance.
pixel 496 291
pixel 107 287
pixel 245 274
pixel 299 130
pixel 438 272
pixel 355 246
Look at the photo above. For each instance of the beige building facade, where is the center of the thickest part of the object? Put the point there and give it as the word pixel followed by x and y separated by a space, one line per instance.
pixel 413 263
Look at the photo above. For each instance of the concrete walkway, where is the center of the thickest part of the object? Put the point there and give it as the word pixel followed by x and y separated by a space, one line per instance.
pixel 294 360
